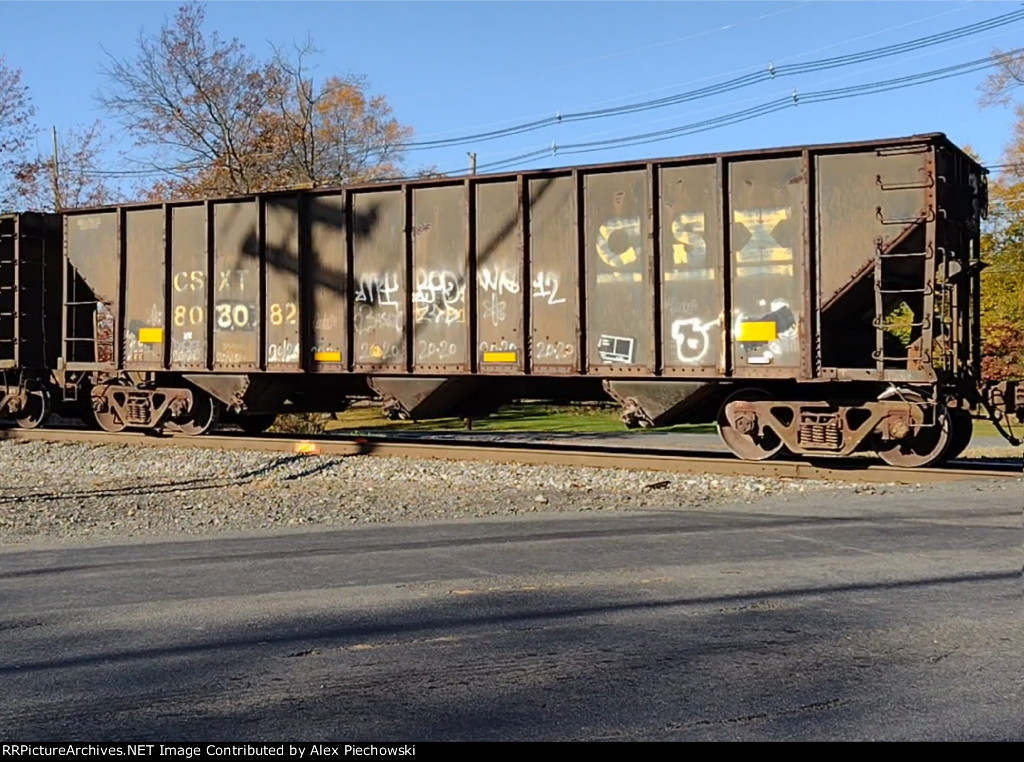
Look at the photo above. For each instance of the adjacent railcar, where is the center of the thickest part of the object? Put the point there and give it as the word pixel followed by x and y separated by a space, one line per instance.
pixel 816 299
pixel 30 315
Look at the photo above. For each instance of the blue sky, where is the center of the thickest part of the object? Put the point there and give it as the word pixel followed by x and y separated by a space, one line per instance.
pixel 457 68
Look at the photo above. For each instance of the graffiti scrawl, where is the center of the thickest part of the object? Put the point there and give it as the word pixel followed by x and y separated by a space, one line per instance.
pixel 693 338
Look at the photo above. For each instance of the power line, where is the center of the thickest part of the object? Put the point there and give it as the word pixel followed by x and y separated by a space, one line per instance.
pixel 736 117
pixel 519 74
pixel 770 107
pixel 736 83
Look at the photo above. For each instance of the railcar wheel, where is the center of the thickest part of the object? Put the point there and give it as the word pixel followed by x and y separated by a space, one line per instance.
pixel 256 424
pixel 963 430
pixel 105 417
pixel 204 416
pixel 36 410
pixel 741 431
pixel 110 421
pixel 925 447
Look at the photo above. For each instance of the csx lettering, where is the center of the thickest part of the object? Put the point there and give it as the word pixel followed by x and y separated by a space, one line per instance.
pixel 762 246
pixel 195 280
pixel 619 241
pixel 226 276
pixel 190 281
pixel 690 247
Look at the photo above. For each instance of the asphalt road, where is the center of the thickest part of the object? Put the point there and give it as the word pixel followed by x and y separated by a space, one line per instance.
pixel 893 616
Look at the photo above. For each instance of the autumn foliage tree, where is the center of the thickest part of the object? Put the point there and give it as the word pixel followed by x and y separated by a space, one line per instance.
pixel 217 119
pixel 16 129
pixel 75 179
pixel 1003 239
pixel 1002 300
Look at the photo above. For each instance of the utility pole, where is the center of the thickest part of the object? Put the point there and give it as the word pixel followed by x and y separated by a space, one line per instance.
pixel 472 162
pixel 57 201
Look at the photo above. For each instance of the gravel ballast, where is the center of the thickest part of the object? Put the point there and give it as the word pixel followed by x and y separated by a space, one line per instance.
pixel 58 491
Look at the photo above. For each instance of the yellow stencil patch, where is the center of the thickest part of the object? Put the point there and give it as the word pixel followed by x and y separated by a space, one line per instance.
pixel 758 331
pixel 327 356
pixel 499 356
pixel 151 335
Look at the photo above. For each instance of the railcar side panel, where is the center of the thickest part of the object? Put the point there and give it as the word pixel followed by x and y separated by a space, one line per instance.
pixel 283 299
pixel 93 288
pixel 554 276
pixel 619 273
pixel 379 276
pixel 877 210
pixel 237 305
pixel 440 274
pixel 187 322
pixel 144 289
pixel 767 208
pixel 328 274
pixel 852 188
pixel 499 277
pixel 692 263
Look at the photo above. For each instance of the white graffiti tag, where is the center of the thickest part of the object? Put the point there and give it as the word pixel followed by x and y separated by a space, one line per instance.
pixel 693 338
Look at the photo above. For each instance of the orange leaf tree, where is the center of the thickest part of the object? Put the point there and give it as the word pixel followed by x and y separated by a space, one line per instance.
pixel 16 130
pixel 75 180
pixel 216 119
pixel 1002 245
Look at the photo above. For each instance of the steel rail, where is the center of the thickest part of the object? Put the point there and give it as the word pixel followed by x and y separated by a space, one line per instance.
pixel 631 458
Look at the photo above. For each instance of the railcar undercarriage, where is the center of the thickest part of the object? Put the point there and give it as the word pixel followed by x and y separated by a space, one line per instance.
pixel 905 426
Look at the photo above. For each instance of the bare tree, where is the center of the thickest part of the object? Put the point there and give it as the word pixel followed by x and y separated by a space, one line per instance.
pixel 218 119
pixel 76 179
pixel 16 112
pixel 1000 90
pixel 333 133
pixel 197 100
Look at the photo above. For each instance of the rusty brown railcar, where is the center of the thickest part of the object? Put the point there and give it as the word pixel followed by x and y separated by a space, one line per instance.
pixel 817 299
pixel 30 309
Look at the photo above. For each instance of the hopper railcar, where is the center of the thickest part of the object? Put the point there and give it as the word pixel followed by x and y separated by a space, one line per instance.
pixel 819 300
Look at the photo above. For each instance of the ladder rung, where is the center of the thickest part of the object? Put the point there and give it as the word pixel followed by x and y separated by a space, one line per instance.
pixel 878 324
pixel 924 291
pixel 902 254
pixel 884 358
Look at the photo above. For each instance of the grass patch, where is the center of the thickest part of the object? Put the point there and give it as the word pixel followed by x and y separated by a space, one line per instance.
pixel 534 418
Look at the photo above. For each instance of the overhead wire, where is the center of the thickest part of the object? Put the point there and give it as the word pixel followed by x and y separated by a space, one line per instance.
pixel 630 51
pixel 792 57
pixel 767 74
pixel 769 107
pixel 762 109
pixel 756 98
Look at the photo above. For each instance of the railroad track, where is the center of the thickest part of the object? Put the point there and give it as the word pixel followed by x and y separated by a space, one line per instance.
pixel 535 453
